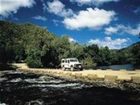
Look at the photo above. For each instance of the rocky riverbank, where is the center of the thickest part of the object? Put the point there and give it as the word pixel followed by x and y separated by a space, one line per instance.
pixel 26 88
pixel 109 81
pixel 122 79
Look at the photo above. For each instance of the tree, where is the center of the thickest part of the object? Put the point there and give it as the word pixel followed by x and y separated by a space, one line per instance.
pixel 38 45
pixel 105 57
pixel 76 50
pixel 61 49
pixel 88 63
pixel 93 52
pixel 9 42
pixel 136 55
pixel 114 57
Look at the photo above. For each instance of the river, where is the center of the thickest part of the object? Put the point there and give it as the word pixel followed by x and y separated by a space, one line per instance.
pixel 118 67
pixel 17 88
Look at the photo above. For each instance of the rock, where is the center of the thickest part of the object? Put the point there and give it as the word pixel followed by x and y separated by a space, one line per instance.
pixel 136 79
pixel 110 78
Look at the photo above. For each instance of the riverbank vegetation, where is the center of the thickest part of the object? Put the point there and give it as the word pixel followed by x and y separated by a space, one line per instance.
pixel 40 48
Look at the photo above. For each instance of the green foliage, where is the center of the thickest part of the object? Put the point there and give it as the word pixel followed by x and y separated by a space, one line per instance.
pixel 114 57
pixel 136 55
pixel 88 63
pixel 9 42
pixel 105 56
pixel 34 58
pixel 40 48
pixel 38 45
pixel 93 52
pixel 76 50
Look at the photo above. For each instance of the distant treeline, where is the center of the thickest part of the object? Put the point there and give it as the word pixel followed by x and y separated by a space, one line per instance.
pixel 40 48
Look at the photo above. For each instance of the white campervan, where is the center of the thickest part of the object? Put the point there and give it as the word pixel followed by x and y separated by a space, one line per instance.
pixel 71 63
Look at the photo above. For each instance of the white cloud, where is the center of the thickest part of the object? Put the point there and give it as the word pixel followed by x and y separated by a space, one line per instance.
pixel 8 7
pixel 133 31
pixel 123 29
pixel 90 18
pixel 111 30
pixel 72 40
pixel 82 1
pixel 94 2
pixel 44 5
pixel 112 44
pixel 40 18
pixel 58 8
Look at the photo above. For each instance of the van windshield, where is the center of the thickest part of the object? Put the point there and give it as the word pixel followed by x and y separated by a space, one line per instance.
pixel 73 60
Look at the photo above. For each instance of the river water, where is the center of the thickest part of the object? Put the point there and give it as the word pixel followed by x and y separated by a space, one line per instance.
pixel 17 88
pixel 118 67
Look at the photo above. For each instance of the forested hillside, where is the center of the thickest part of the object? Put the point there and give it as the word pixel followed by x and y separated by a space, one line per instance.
pixel 40 48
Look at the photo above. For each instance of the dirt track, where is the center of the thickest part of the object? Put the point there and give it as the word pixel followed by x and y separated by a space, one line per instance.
pixel 121 74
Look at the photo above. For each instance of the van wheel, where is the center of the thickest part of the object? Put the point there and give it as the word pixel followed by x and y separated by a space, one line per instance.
pixel 63 68
pixel 72 69
pixel 81 69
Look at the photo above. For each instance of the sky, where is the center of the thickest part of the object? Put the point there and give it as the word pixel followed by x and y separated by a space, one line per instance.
pixel 112 23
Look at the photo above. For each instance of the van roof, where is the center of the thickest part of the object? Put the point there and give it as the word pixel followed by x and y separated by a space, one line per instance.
pixel 68 58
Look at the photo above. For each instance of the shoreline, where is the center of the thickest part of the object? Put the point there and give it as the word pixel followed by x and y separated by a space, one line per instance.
pixel 27 87
pixel 124 80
